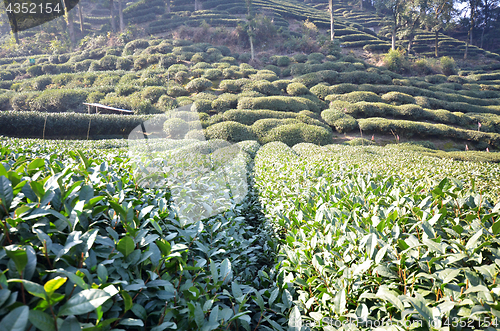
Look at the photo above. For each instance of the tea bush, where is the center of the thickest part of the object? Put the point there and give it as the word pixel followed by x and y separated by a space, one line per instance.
pixel 297 89
pixel 262 86
pixel 225 102
pixel 398 98
pixel 353 97
pixel 175 128
pixel 293 104
pixel 292 134
pixel 198 85
pixel 339 120
pixel 230 131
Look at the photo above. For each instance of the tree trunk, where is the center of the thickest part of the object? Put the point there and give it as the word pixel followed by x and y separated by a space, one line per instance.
pixel 168 6
pixel 361 4
pixel 16 36
pixel 436 42
pixel 69 23
pixel 482 36
pixel 410 41
pixel 113 24
pixel 80 14
pixel 252 52
pixel 195 5
pixel 393 46
pixel 120 13
pixel 332 23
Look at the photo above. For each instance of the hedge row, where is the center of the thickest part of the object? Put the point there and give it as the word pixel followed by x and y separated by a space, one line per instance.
pixel 66 125
pixel 283 103
pixel 412 128
pixel 289 131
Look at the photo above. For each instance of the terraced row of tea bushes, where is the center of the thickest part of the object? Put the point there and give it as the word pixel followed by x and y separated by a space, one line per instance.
pixel 289 130
pixel 414 112
pixel 421 129
pixel 83 246
pixel 377 249
pixel 72 125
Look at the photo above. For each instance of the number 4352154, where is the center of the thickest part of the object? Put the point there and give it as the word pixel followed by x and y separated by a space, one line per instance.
pixel 33 8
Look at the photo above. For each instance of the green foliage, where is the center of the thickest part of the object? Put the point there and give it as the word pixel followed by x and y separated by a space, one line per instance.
pixel 175 128
pixel 354 97
pixel 395 61
pixel 398 98
pixel 297 89
pixel 283 103
pixel 292 134
pixel 230 131
pixel 448 66
pixel 198 85
pixel 339 120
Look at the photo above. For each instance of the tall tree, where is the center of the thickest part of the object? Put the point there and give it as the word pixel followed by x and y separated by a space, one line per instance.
pixel 394 9
pixel 250 26
pixel 411 19
pixel 196 5
pixel 68 16
pixel 120 13
pixel 111 8
pixel 332 27
pixel 168 6
pixel 472 7
pixel 437 17
pixel 80 14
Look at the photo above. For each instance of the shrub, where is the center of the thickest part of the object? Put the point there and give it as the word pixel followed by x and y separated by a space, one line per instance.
pixel 35 70
pixel 300 58
pixel 125 89
pixel 212 74
pixel 198 85
pixel 166 103
pixel 22 101
pixel 41 82
pixel 261 86
pixel 230 131
pixel 50 69
pixel 315 57
pixel 153 93
pixel 339 120
pixel 83 65
pixel 395 61
pixel 264 75
pixel 249 117
pixel 225 102
pixel 297 89
pixel 262 127
pixel 293 104
pixel 108 62
pixel 60 100
pixel 398 98
pixel 273 68
pixel 228 85
pixel 353 97
pixel 201 106
pixel 320 90
pixel 175 128
pixel 95 97
pixel 195 134
pixel 448 66
pixel 292 134
pixel 300 69
pixel 281 84
pixel 435 79
pixel 283 61
pixel 140 62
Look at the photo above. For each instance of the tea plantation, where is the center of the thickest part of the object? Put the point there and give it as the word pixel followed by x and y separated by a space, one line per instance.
pixel 371 192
